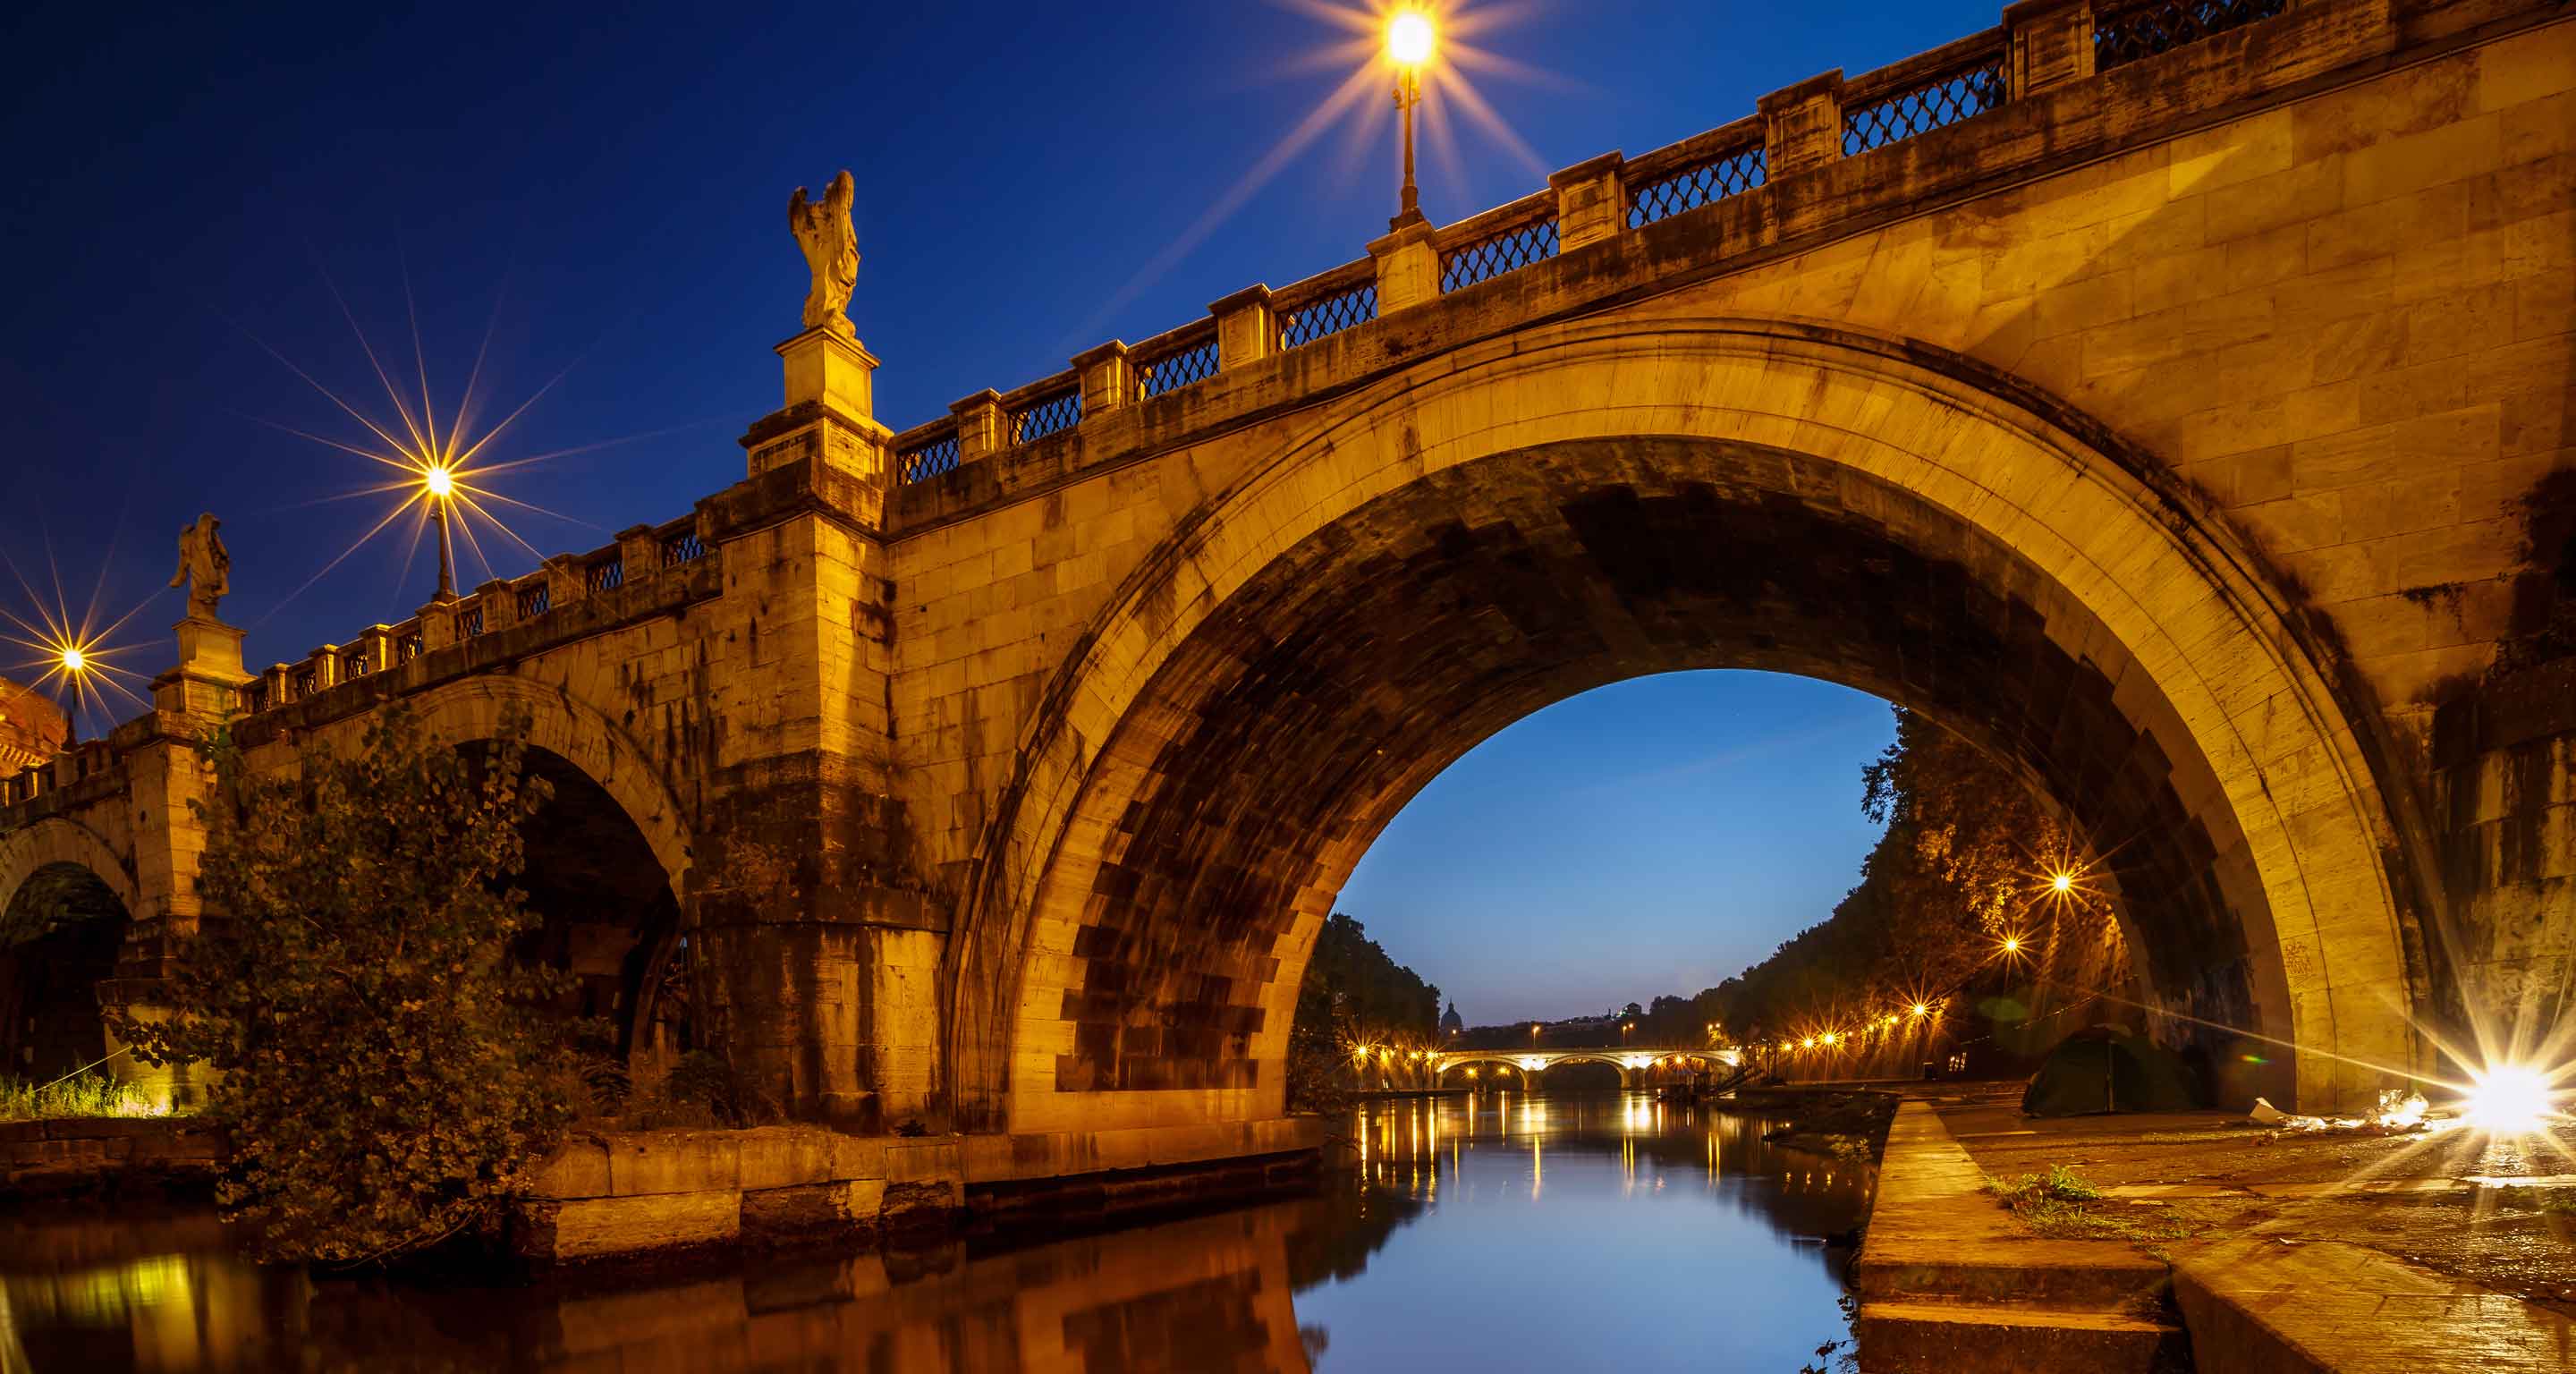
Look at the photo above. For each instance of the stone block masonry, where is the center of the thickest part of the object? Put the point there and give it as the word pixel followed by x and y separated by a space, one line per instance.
pixel 634 1194
pixel 2189 428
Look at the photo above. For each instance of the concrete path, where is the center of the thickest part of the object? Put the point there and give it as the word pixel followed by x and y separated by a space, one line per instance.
pixel 1949 1282
pixel 2266 1289
pixel 2259 1306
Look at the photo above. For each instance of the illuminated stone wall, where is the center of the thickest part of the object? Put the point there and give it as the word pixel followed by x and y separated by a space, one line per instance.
pixel 32 728
pixel 2193 435
pixel 2216 390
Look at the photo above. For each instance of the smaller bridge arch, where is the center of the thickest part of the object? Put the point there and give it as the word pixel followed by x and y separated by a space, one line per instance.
pixel 476 709
pixel 62 840
pixel 615 927
pixel 68 901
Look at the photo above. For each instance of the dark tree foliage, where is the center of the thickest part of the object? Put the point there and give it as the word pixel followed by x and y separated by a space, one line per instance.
pixel 1353 993
pixel 1963 861
pixel 384 1070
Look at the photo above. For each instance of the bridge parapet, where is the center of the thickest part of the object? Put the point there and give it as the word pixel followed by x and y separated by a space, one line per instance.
pixel 618 571
pixel 1804 128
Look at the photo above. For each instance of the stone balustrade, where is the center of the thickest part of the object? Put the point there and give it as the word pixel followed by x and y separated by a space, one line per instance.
pixel 561 581
pixel 1819 121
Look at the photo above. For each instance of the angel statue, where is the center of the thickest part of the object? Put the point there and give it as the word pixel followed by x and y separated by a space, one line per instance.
pixel 205 569
pixel 831 253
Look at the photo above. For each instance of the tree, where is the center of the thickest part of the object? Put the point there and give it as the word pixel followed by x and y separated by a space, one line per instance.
pixel 1964 861
pixel 385 1071
pixel 1352 994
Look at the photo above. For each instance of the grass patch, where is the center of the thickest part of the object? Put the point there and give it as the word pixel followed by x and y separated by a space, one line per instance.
pixel 2059 1184
pixel 2558 1201
pixel 2063 1205
pixel 89 1094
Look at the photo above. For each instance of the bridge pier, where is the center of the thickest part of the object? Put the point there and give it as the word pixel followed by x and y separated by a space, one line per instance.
pixel 820 952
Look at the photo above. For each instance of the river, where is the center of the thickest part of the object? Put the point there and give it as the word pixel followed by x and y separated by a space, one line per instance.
pixel 1499 1233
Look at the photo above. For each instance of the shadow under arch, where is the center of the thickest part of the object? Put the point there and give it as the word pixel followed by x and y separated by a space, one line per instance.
pixel 67 904
pixel 1517 521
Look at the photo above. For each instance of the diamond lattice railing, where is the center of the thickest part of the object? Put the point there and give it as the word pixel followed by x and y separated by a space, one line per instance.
pixel 2126 33
pixel 1508 250
pixel 1701 183
pixel 1919 109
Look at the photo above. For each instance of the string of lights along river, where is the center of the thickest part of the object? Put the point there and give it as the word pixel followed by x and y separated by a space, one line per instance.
pixel 1498 1232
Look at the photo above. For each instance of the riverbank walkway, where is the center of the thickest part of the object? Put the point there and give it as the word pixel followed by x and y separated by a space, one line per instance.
pixel 2281 1250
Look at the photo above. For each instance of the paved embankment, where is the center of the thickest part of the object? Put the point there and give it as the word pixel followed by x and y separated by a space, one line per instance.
pixel 2289 1272
pixel 1949 1282
pixel 2258 1305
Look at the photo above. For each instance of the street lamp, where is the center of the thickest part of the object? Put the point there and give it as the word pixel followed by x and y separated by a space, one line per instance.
pixel 440 483
pixel 1410 39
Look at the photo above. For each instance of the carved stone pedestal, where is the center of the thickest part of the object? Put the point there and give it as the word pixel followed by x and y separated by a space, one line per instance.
pixel 830 411
pixel 208 680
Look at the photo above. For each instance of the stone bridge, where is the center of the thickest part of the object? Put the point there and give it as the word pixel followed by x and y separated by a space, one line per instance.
pixel 2181 415
pixel 1530 1067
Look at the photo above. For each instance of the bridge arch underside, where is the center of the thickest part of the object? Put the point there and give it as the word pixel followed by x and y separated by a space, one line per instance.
pixel 62 928
pixel 608 919
pixel 1751 497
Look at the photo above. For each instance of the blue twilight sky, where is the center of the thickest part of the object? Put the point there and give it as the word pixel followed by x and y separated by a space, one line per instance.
pixel 1652 836
pixel 1033 178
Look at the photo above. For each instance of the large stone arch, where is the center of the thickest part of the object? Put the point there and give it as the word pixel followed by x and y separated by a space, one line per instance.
pixel 2088 559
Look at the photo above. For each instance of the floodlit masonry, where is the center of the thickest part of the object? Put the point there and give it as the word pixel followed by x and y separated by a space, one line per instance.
pixel 2181 412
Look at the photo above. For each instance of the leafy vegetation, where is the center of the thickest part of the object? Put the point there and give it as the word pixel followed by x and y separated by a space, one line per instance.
pixel 89 1094
pixel 384 1068
pixel 2063 1205
pixel 1962 863
pixel 1353 994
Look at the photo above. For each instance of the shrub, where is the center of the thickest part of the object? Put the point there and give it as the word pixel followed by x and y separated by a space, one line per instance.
pixel 385 1072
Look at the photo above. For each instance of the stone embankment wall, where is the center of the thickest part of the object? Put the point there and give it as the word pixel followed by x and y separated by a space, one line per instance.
pixel 83 1154
pixel 635 1193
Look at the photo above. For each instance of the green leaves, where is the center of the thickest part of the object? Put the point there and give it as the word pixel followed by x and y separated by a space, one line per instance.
pixel 385 1071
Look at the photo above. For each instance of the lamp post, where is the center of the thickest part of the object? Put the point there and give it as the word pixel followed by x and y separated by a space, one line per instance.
pixel 1410 39
pixel 441 485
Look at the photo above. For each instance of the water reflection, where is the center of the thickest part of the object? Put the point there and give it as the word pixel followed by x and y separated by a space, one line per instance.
pixel 1505 1232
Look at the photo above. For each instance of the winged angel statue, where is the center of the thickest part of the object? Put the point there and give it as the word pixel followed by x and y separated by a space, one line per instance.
pixel 822 229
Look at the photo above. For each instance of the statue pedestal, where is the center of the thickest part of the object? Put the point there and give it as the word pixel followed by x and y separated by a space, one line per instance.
pixel 830 412
pixel 208 680
pixel 826 365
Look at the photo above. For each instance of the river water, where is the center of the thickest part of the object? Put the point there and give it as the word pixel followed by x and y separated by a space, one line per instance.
pixel 1499 1233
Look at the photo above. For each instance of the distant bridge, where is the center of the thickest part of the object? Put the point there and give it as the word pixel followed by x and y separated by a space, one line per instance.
pixel 1632 1061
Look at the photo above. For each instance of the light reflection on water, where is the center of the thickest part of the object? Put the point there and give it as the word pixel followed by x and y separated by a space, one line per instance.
pixel 1501 1233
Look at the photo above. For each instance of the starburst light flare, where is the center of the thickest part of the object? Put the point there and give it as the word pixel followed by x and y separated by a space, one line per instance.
pixel 76 655
pixel 442 467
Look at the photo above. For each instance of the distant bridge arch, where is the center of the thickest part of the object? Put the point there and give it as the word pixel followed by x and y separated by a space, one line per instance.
pixel 1536 1062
